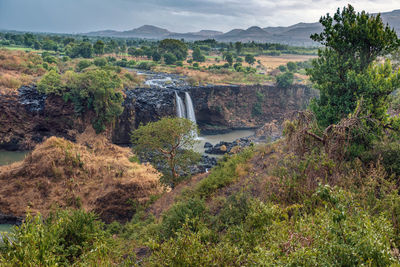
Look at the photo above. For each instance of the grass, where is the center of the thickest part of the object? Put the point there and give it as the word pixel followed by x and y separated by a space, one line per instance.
pixel 19 48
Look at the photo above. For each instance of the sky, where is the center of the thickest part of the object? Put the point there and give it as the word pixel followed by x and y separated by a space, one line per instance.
pixel 78 16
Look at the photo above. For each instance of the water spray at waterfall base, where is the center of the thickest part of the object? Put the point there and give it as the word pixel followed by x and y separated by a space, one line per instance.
pixel 187 112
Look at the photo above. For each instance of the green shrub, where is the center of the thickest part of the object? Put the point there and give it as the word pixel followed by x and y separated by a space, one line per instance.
pixel 181 212
pixel 50 83
pixel 64 238
pixel 100 62
pixel 285 80
pixel 224 173
pixel 83 64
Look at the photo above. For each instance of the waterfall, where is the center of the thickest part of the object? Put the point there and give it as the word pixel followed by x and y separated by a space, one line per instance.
pixel 190 111
pixel 189 108
pixel 180 107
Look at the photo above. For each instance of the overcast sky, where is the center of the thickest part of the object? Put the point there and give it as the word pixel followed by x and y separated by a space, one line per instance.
pixel 175 15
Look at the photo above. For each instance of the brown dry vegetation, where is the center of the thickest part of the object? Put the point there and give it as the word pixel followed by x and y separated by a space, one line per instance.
pixel 18 68
pixel 92 174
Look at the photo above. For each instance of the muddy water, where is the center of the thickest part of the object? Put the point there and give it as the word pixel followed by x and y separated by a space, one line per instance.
pixel 8 157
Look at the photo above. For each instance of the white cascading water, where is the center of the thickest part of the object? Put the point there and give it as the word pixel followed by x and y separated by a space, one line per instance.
pixel 180 107
pixel 190 110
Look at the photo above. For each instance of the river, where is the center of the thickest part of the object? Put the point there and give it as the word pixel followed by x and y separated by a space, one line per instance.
pixel 8 157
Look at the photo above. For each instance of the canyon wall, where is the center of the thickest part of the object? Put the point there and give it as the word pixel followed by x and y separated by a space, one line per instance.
pixel 28 117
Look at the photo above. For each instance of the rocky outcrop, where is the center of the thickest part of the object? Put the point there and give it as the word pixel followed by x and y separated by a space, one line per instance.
pixel 218 108
pixel 221 108
pixel 142 105
pixel 28 117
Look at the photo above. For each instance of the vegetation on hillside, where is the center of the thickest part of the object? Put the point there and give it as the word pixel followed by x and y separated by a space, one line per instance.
pixel 325 195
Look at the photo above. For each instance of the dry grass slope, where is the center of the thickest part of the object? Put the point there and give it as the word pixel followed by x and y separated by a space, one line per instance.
pixel 93 174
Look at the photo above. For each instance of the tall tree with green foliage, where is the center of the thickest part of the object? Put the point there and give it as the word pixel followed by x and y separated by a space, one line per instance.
pixel 176 47
pixel 345 66
pixel 197 55
pixel 168 144
pixel 98 47
pixel 250 59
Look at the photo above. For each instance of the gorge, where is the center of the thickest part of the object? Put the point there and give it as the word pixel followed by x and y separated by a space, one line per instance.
pixel 28 117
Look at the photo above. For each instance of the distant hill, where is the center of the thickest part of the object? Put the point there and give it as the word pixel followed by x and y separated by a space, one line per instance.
pixel 297 34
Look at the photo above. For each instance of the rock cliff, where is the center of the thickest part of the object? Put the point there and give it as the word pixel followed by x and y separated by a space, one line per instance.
pixel 28 117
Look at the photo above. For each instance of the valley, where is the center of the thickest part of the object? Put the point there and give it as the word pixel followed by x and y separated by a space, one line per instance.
pixel 256 147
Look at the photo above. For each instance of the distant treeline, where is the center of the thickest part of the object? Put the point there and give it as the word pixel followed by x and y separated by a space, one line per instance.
pixel 87 47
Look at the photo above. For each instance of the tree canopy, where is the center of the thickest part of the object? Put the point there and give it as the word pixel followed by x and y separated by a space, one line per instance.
pixel 168 144
pixel 345 66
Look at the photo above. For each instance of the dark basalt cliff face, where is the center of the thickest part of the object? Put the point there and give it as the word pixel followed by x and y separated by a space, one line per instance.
pixel 233 107
pixel 218 108
pixel 28 117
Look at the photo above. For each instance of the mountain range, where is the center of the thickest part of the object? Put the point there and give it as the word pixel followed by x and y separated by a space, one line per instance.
pixel 297 34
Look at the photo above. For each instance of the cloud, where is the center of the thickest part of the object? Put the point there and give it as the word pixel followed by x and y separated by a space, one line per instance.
pixel 176 15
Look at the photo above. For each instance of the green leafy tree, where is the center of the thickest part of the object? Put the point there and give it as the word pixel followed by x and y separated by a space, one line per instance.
pixel 64 238
pixel 344 69
pixel 229 58
pixel 83 64
pixel 168 143
pixel 98 47
pixel 291 66
pixel 176 47
pixel 169 58
pixel 86 49
pixel 131 51
pixel 156 56
pixel 250 59
pixel 284 80
pixel 197 55
pixel 238 47
pixel 50 83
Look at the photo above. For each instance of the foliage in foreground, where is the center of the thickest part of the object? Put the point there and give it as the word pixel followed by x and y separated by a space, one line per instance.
pixel 65 237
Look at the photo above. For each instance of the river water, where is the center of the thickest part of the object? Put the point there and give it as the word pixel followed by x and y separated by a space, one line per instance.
pixel 8 157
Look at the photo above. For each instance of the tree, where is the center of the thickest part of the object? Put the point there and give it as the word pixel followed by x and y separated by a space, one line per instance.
pixel 344 69
pixel 284 80
pixel 156 56
pixel 238 47
pixel 291 66
pixel 229 58
pixel 176 47
pixel 197 56
pixel 250 59
pixel 169 58
pixel 167 143
pixel 98 47
pixel 131 51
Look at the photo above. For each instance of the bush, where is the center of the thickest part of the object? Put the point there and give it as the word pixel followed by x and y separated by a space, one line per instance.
pixel 83 64
pixel 169 58
pixel 282 68
pixel 291 66
pixel 285 80
pixel 100 62
pixel 64 238
pixel 144 65
pixel 50 83
pixel 179 214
